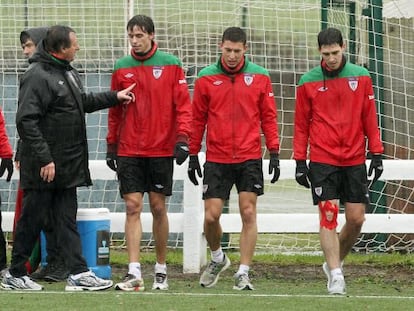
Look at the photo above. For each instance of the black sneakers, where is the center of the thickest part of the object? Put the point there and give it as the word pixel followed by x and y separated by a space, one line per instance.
pixel 53 272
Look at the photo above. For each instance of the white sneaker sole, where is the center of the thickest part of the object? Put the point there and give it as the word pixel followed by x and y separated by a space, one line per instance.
pixel 157 286
pixel 339 290
pixel 73 288
pixel 121 286
pixel 247 287
pixel 11 287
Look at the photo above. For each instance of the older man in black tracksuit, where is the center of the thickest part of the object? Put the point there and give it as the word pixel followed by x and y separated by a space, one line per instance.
pixel 54 156
pixel 55 270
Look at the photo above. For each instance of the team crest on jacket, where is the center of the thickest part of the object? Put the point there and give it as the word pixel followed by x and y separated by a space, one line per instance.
pixel 353 83
pixel 248 79
pixel 157 72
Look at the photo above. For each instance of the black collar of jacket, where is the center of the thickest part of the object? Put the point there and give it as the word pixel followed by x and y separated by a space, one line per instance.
pixel 333 73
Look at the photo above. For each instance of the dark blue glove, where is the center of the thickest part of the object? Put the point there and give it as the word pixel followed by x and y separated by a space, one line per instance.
pixel 301 174
pixel 274 167
pixel 193 167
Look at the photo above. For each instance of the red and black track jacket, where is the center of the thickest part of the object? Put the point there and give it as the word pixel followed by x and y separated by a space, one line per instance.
pixel 336 117
pixel 234 109
pixel 6 151
pixel 160 115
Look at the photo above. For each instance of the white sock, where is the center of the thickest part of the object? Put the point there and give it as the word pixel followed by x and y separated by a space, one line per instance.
pixel 243 269
pixel 217 255
pixel 336 272
pixel 160 268
pixel 134 268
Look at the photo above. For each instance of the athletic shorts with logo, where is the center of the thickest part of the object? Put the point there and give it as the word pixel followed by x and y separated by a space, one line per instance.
pixel 139 174
pixel 219 178
pixel 347 183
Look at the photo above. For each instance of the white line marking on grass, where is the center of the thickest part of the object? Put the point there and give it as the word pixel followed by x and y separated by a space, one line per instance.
pixel 208 294
pixel 284 295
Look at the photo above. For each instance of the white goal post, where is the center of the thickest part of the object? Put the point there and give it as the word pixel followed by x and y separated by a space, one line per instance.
pixel 190 222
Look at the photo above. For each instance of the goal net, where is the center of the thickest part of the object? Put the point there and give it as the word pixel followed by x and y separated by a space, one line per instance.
pixel 281 37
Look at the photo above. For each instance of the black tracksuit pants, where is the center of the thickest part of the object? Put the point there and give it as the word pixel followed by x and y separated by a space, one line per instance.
pixel 41 208
pixel 3 257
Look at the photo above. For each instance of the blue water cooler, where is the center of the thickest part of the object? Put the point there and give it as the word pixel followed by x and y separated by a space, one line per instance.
pixel 94 230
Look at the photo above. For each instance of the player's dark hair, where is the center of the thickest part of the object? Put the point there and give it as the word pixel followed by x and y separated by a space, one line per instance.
pixel 330 36
pixel 234 34
pixel 142 21
pixel 57 38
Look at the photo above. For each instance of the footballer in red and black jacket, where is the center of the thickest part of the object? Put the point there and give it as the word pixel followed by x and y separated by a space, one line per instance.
pixel 337 115
pixel 233 103
pixel 144 137
pixel 234 108
pixel 160 115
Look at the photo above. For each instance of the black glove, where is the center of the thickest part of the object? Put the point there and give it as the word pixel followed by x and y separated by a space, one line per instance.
pixel 301 174
pixel 111 156
pixel 181 152
pixel 376 164
pixel 274 167
pixel 193 167
pixel 6 164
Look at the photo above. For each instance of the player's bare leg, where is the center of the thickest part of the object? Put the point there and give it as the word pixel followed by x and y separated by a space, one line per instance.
pixel 212 228
pixel 133 226
pixel 160 231
pixel 133 234
pixel 248 239
pixel 328 213
pixel 355 217
pixel 213 232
